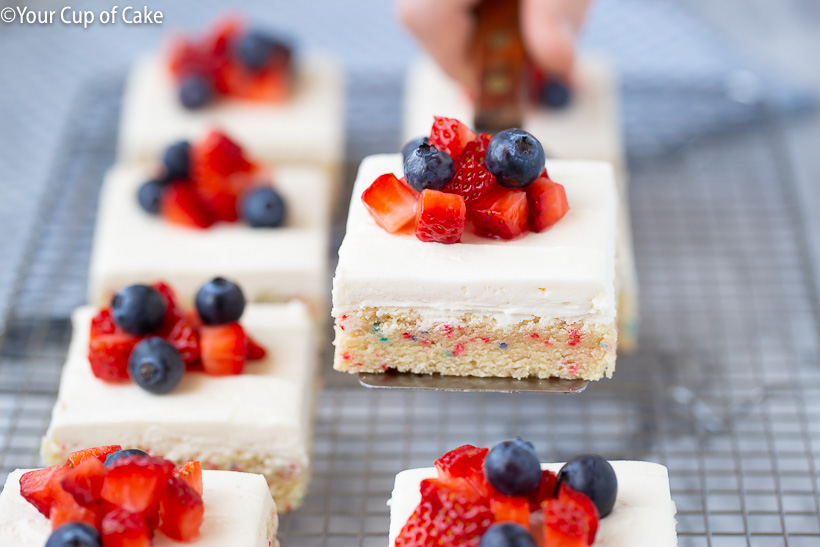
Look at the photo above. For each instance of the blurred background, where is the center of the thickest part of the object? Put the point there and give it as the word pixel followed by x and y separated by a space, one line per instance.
pixel 722 132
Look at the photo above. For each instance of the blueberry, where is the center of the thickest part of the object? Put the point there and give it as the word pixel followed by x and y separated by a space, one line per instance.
pixel 138 309
pixel 256 49
pixel 555 94
pixel 177 160
pixel 408 148
pixel 149 194
pixel 507 534
pixel 515 157
pixel 114 456
pixel 427 167
pixel 263 207
pixel 155 365
pixel 220 301
pixel 512 467
pixel 195 91
pixel 74 534
pixel 592 475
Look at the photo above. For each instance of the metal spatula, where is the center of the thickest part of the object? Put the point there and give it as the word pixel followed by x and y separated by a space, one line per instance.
pixel 438 382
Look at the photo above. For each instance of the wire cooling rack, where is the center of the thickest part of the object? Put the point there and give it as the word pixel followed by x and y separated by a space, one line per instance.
pixel 725 389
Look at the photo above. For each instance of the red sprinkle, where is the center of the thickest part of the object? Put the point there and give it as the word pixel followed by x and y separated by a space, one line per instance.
pixel 407 336
pixel 535 335
pixel 485 339
pixel 345 356
pixel 573 369
pixel 574 338
pixel 548 343
pixel 424 342
pixel 458 350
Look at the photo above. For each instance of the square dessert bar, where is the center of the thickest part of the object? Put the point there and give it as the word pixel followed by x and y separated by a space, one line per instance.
pixel 238 511
pixel 542 305
pixel 271 264
pixel 260 421
pixel 643 516
pixel 308 128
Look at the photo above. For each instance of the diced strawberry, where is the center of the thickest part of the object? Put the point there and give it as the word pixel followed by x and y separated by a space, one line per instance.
pixel 254 351
pixel 98 452
pixel 64 507
pixel 35 487
pixel 84 482
pixel 450 135
pixel 440 217
pixel 471 181
pixel 180 511
pixel 109 348
pixel 391 202
pixel 474 150
pixel 135 483
pixel 180 204
pixel 567 523
pixel 547 203
pixel 119 528
pixel 462 462
pixel 221 173
pixel 170 297
pixel 223 348
pixel 271 85
pixel 218 155
pixel 500 214
pixel 510 509
pixel 181 333
pixel 545 490
pixel 191 472
pixel 569 496
pixel 208 57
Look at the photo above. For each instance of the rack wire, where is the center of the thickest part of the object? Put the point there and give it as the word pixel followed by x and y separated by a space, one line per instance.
pixel 725 389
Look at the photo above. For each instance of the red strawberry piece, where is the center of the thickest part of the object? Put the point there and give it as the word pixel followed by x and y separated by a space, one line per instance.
pixel 510 509
pixel 254 351
pixel 109 348
pixel 391 203
pixel 180 511
pixel 223 348
pixel 85 481
pixel 64 507
pixel 450 135
pixel 191 472
pixel 545 490
pixel 463 462
pixel 547 203
pixel 500 214
pixel 135 483
pixel 569 496
pixel 474 150
pixel 218 155
pixel 180 204
pixel 181 333
pixel 35 487
pixel 272 85
pixel 440 217
pixel 567 523
pixel 119 528
pixel 98 453
pixel 169 295
pixel 221 173
pixel 471 181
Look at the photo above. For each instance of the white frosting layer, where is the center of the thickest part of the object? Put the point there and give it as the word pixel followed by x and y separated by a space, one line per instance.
pixel 265 412
pixel 131 245
pixel 309 128
pixel 564 272
pixel 644 513
pixel 239 510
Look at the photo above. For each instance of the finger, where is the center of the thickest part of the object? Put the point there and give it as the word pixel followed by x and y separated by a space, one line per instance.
pixel 549 29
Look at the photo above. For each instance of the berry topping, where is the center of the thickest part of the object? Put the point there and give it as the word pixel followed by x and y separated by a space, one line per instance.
pixel 253 351
pixel 440 217
pixel 545 490
pixel 180 204
pixel 223 349
pixel 74 534
pixel 450 135
pixel 515 157
pixel 568 523
pixel 109 347
pixel 138 309
pixel 512 468
pixel 191 472
pixel 177 160
pixel 391 203
pixel 475 150
pixel 35 487
pixel 195 91
pixel 501 213
pixel 178 329
pixel 113 457
pixel 462 462
pixel 85 481
pixel 100 453
pixel 180 511
pixel 218 156
pixel 428 168
pixel 507 534
pixel 510 509
pixel 410 146
pixel 593 476
pixel 135 483
pixel 547 203
pixel 471 182
pixel 569 496
pixel 121 528
pixel 263 207
pixel 554 94
pixel 156 366
pixel 149 196
pixel 220 301
pixel 256 49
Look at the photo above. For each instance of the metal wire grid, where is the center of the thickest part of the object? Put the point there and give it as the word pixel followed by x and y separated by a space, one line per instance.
pixel 724 390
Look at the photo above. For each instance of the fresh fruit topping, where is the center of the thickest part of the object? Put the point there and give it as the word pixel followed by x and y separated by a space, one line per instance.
pixel 100 453
pixel 191 472
pixel 149 196
pixel 74 534
pixel 135 483
pixel 507 534
pixel 138 309
pixel 475 150
pixel 555 94
pixel 195 91
pixel 218 155
pixel 254 351
pixel 109 347
pixel 223 349
pixel 566 523
pixel 181 333
pixel 428 168
pixel 65 508
pixel 594 477
pixel 85 481
pixel 263 207
pixel 450 135
pixel 440 217
pixel 512 468
pixel 220 301
pixel 35 487
pixel 471 181
pixel 111 458
pixel 121 528
pixel 510 509
pixel 567 495
pixel 391 203
pixel 545 490
pixel 180 204
pixel 515 157
pixel 462 462
pixel 501 213
pixel 410 146
pixel 180 510
pixel 155 365
pixel 547 203
pixel 177 160
pixel 257 49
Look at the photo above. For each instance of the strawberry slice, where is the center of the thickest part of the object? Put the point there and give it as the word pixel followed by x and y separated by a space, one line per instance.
pixel 181 333
pixel 471 181
pixel 474 150
pixel 272 85
pixel 391 202
pixel 545 490
pixel 85 481
pixel 223 348
pixel 510 509
pixel 64 507
pixel 547 203
pixel 450 135
pixel 35 487
pixel 500 214
pixel 180 204
pixel 191 472
pixel 170 298
pixel 463 462
pixel 440 217
pixel 569 496
pixel 180 511
pixel 135 483
pixel 109 348
pixel 98 453
pixel 567 523
pixel 119 528
pixel 218 155
pixel 254 351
